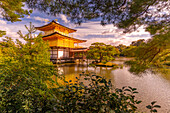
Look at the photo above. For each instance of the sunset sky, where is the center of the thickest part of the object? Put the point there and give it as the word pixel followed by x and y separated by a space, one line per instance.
pixel 91 31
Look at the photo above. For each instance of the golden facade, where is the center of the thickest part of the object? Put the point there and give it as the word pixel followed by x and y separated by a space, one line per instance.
pixel 60 40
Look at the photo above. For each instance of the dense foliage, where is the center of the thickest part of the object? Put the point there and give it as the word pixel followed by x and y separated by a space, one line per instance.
pixel 24 68
pixel 2 33
pixel 97 96
pixel 155 52
pixel 129 51
pixel 102 52
pixel 13 10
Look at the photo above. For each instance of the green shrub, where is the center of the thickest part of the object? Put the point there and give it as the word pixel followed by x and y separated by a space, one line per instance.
pixel 98 96
pixel 24 68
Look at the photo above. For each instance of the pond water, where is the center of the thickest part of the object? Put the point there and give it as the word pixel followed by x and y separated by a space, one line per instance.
pixel 151 87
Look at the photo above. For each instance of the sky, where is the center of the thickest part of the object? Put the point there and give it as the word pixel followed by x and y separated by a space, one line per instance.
pixel 92 31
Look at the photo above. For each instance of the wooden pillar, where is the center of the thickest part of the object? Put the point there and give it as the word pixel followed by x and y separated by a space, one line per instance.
pixel 63 52
pixel 57 52
pixel 57 55
pixel 68 52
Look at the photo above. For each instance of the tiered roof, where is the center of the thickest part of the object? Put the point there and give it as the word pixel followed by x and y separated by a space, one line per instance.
pixel 52 26
pixel 56 35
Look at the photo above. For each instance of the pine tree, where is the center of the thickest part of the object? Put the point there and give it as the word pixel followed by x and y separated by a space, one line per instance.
pixel 24 70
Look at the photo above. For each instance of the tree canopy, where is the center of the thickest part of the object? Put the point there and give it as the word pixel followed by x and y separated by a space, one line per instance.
pixel 102 52
pixel 138 42
pixel 13 10
pixel 2 33
pixel 155 52
pixel 24 70
pixel 156 49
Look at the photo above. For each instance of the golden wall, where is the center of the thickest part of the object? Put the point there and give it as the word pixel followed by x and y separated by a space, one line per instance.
pixel 61 43
pixel 52 42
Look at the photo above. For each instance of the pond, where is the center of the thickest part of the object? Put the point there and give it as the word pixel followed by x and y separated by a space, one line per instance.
pixel 151 87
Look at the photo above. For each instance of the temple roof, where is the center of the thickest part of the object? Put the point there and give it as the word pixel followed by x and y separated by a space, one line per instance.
pixel 58 35
pixel 52 26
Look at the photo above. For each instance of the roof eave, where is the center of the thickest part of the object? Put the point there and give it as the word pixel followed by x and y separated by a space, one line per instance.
pixel 80 41
pixel 41 27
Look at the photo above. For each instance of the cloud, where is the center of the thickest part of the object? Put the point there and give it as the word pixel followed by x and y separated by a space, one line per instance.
pixel 3 22
pixel 99 36
pixel 122 38
pixel 93 31
pixel 41 19
pixel 112 30
pixel 28 16
pixel 108 31
pixel 12 29
pixel 109 41
pixel 64 18
pixel 139 35
pixel 9 32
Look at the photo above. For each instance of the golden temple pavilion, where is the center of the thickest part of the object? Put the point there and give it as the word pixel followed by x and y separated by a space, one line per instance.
pixel 63 45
